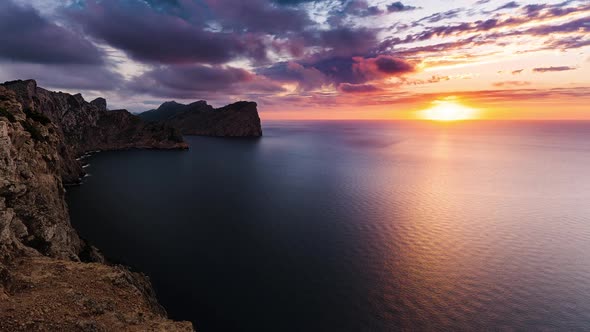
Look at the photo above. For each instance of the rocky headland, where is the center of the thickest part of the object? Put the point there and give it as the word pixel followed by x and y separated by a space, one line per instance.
pixel 50 279
pixel 239 119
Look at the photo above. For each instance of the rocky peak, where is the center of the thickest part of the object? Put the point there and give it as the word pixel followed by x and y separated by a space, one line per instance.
pixel 100 103
pixel 24 90
pixel 169 104
pixel 241 106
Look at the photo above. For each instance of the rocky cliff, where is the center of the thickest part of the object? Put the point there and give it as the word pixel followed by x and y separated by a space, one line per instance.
pixel 86 126
pixel 43 283
pixel 239 119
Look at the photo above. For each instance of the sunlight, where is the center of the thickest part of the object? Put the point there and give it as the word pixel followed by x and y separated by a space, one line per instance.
pixel 448 109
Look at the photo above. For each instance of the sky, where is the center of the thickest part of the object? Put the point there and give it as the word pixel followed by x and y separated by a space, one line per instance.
pixel 309 59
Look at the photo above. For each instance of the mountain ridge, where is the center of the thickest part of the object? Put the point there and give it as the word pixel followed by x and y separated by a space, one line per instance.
pixel 239 119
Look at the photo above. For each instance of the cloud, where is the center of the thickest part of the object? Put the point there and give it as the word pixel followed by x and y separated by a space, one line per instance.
pixel 505 26
pixel 337 70
pixel 361 8
pixel 151 36
pixel 552 69
pixel 25 36
pixel 382 66
pixel 259 16
pixel 437 17
pixel 358 88
pixel 399 7
pixel 294 2
pixel 192 81
pixel 511 83
pixel 509 5
pixel 307 78
pixel 347 41
pixel 517 72
pixel 65 76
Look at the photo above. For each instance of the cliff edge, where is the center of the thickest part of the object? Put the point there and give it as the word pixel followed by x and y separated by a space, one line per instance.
pixel 45 283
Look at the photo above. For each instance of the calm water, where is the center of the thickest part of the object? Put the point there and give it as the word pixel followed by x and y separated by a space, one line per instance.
pixel 356 226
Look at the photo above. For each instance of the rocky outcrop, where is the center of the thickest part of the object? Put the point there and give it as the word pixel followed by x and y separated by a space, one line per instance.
pixel 83 126
pixel 44 294
pixel 239 119
pixel 43 283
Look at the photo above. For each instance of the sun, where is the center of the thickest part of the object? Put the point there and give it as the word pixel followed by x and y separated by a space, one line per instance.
pixel 448 109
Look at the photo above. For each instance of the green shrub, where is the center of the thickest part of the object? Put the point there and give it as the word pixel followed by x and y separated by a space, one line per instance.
pixel 7 115
pixel 35 133
pixel 37 117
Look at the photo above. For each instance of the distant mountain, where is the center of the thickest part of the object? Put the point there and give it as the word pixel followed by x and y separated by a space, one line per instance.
pixel 239 119
pixel 171 108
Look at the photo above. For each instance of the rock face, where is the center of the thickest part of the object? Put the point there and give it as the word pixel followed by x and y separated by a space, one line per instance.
pixel 83 126
pixel 235 120
pixel 41 134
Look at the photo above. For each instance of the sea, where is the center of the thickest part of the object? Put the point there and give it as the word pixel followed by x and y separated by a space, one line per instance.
pixel 355 225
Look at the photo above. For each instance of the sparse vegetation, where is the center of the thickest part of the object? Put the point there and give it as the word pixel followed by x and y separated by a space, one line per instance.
pixel 37 117
pixel 35 133
pixel 7 115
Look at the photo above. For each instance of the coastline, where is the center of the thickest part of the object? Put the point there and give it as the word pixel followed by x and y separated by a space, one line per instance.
pixel 50 278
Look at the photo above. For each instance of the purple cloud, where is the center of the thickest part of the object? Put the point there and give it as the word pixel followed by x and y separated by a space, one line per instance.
pixel 147 35
pixel 399 7
pixel 552 69
pixel 258 16
pixel 65 76
pixel 25 36
pixel 509 5
pixel 193 81
pixel 358 88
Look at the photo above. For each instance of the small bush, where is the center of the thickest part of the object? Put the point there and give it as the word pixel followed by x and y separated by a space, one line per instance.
pixel 7 115
pixel 37 117
pixel 35 133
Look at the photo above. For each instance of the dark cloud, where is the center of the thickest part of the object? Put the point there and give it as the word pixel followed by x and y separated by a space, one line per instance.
pixel 517 72
pixel 65 76
pixel 391 65
pixel 307 78
pixel 552 69
pixel 509 5
pixel 294 2
pixel 314 74
pixel 258 16
pixel 360 8
pixel 347 41
pixel 192 81
pixel 382 66
pixel 151 36
pixel 25 36
pixel 338 70
pixel 358 88
pixel 400 7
